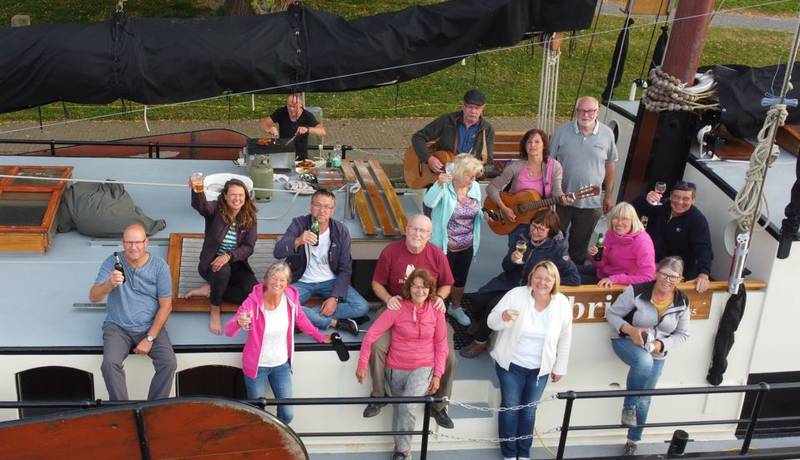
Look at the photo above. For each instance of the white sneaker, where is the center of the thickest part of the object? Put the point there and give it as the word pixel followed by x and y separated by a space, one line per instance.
pixel 460 315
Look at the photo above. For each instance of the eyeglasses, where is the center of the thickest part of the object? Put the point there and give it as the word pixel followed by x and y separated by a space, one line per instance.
pixel 538 228
pixel 587 111
pixel 322 206
pixel 134 243
pixel 670 277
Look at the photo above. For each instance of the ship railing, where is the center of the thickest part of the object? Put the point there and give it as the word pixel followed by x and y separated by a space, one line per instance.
pixel 426 401
pixel 153 147
pixel 761 390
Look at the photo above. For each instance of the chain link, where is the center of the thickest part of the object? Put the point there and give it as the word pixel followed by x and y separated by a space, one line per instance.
pixel 499 409
pixel 492 440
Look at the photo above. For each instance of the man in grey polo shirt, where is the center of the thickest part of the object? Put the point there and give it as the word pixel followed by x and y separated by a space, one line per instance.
pixel 587 152
pixel 139 303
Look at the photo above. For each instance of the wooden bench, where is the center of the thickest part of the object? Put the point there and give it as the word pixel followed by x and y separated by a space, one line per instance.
pixel 376 194
pixel 183 256
pixel 506 147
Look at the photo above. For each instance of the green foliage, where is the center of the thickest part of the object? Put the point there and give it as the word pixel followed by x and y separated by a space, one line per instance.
pixel 510 78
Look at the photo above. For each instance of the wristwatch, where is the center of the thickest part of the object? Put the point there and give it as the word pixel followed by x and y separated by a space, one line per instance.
pixel 150 338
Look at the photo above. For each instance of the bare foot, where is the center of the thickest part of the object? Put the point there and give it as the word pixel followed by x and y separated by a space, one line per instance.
pixel 202 291
pixel 214 321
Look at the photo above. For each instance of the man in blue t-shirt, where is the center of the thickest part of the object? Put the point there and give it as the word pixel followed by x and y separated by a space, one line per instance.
pixel 139 303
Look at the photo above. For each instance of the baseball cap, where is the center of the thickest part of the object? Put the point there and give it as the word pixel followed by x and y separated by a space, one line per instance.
pixel 474 97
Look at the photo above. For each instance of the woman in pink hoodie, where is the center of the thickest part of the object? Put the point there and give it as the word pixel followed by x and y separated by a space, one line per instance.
pixel 269 315
pixel 628 256
pixel 417 353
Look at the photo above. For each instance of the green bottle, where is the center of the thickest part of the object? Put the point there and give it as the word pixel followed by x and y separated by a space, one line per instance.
pixel 599 245
pixel 315 229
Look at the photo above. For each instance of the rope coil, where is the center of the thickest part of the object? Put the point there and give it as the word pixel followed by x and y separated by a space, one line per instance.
pixel 747 205
pixel 666 92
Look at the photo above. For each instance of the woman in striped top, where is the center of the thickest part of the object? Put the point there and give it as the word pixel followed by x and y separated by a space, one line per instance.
pixel 230 236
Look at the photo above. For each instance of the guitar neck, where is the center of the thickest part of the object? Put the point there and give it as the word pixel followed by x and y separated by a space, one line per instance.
pixel 537 204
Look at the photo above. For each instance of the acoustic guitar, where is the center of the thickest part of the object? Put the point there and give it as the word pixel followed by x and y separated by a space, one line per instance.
pixel 526 204
pixel 416 173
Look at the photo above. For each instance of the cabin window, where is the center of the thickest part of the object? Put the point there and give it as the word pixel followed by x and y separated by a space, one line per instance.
pixel 212 380
pixel 28 206
pixel 614 129
pixel 53 383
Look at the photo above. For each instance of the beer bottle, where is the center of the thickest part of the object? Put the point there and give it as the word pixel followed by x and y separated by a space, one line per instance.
pixel 118 266
pixel 599 246
pixel 315 229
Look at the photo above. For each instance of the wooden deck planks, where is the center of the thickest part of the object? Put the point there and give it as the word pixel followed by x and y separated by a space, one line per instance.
pixel 391 196
pixel 375 198
pixel 360 200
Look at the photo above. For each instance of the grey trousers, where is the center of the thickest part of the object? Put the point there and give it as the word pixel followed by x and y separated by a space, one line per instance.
pixel 377 366
pixel 406 383
pixel 117 345
pixel 580 223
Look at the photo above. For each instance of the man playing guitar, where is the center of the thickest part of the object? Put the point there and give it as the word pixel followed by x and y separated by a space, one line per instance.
pixel 465 131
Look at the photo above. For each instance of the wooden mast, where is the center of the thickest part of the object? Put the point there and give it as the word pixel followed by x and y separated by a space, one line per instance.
pixel 655 129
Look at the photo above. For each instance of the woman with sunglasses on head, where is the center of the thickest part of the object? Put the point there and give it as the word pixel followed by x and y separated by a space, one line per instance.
pixel 650 319
pixel 230 237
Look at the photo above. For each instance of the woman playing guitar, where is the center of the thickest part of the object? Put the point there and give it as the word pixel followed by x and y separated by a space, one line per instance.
pixel 535 171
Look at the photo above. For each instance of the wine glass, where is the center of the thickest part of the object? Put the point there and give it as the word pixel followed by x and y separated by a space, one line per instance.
pixel 660 188
pixel 247 315
pixel 521 247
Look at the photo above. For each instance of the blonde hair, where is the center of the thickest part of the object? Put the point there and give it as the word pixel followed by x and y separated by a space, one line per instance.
pixel 552 270
pixel 624 210
pixel 279 268
pixel 465 164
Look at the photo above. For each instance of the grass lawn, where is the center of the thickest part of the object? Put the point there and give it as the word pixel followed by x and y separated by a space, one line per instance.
pixel 510 78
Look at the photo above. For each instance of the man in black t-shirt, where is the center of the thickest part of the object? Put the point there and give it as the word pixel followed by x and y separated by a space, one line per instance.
pixel 293 120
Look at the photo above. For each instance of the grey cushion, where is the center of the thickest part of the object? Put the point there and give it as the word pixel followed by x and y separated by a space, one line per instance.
pixel 102 210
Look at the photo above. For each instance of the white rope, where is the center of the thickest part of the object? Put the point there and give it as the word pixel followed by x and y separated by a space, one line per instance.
pixel 746 206
pixel 367 72
pixel 548 92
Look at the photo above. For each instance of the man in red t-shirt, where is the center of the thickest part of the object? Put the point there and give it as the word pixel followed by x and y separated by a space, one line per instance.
pixel 396 262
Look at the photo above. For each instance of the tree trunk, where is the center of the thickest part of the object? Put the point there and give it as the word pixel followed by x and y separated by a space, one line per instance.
pixel 238 8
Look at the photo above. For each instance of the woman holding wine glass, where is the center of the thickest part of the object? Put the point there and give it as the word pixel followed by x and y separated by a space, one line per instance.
pixel 230 237
pixel 535 170
pixel 534 334
pixel 455 202
pixel 269 315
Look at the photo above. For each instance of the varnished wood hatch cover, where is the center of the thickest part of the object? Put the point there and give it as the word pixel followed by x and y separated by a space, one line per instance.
pixel 187 428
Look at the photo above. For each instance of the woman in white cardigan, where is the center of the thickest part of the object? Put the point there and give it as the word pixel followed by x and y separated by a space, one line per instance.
pixel 534 325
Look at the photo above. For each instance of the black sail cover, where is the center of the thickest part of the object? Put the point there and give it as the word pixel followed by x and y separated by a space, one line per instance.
pixel 157 61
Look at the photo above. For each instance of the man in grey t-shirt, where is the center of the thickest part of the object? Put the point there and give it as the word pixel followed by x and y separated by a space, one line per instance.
pixel 139 303
pixel 587 152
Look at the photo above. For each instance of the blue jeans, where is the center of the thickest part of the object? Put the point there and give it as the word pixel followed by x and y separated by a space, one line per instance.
pixel 280 379
pixel 643 375
pixel 518 385
pixel 353 305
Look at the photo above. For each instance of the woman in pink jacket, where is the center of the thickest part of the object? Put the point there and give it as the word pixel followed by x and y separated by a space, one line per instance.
pixel 628 256
pixel 269 315
pixel 417 353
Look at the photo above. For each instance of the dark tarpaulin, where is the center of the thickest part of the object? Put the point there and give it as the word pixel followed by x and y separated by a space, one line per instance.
pixel 741 90
pixel 157 61
pixel 618 60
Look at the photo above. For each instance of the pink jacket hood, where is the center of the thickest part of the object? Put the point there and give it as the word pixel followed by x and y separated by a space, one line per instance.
pixel 255 336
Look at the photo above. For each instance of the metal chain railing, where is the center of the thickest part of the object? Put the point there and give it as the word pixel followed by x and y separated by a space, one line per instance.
pixel 499 409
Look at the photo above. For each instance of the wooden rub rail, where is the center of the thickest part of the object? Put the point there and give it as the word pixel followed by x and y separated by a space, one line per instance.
pixel 375 196
pixel 589 302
